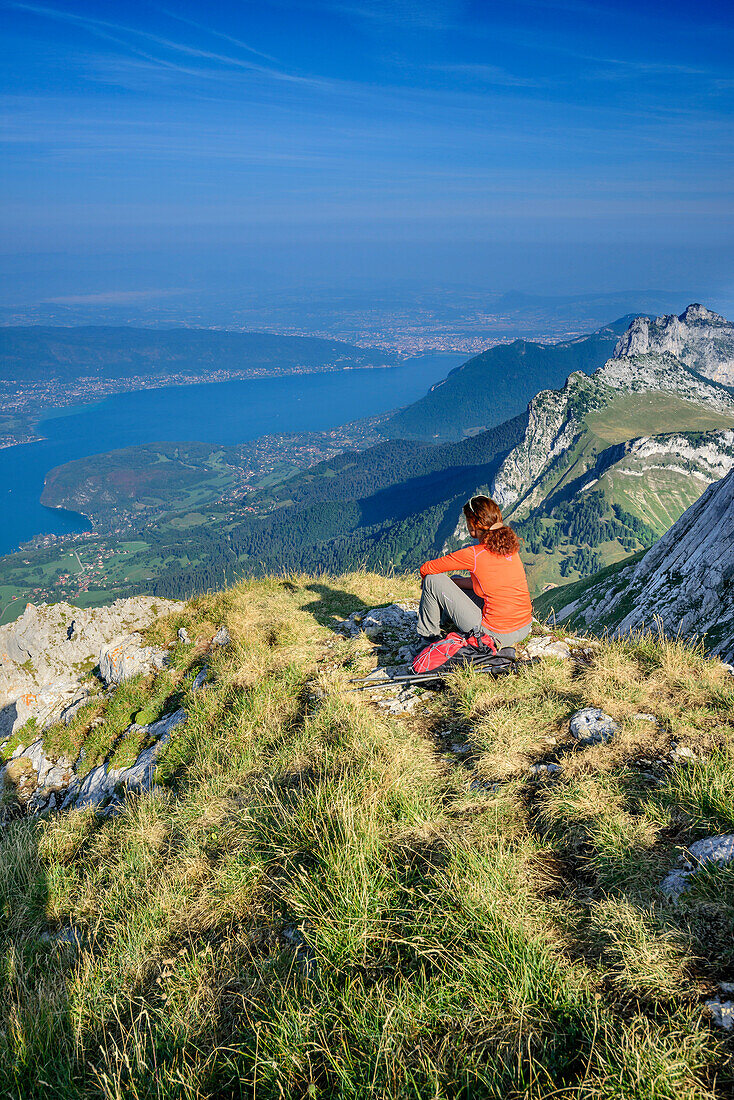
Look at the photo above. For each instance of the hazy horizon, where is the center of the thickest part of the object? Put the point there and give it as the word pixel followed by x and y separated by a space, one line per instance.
pixel 553 147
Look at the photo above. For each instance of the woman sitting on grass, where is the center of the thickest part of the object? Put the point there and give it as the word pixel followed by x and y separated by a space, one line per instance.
pixel 495 599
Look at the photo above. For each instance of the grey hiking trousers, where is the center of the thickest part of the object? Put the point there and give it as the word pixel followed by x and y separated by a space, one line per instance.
pixel 441 596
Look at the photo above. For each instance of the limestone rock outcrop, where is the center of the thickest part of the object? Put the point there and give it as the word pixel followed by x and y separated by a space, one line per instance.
pixel 128 657
pixel 685 582
pixel 48 671
pixel 40 783
pixel 700 338
pixel 104 782
pixel 46 653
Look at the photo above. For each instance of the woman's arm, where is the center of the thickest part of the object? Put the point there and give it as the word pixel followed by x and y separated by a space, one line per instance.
pixel 465 558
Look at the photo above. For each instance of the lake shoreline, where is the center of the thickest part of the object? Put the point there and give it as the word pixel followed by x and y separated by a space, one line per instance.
pixel 37 418
pixel 238 411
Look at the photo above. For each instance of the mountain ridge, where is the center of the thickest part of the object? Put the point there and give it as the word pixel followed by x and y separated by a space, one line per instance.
pixel 497 384
pixel 29 352
pixel 570 475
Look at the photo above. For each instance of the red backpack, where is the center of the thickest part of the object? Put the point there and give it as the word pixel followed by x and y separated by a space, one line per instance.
pixel 453 651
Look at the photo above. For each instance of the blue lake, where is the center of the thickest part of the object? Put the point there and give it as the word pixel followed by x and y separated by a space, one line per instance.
pixel 218 412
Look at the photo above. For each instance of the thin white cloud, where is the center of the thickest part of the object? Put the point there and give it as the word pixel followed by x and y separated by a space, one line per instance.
pixel 218 34
pixel 435 15
pixel 103 28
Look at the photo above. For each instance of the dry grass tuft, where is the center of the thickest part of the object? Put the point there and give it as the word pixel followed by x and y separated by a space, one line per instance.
pixel 640 953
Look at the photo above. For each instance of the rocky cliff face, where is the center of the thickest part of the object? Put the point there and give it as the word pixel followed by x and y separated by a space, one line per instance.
pixel 700 338
pixel 710 454
pixel 557 418
pixel 686 581
pixel 554 423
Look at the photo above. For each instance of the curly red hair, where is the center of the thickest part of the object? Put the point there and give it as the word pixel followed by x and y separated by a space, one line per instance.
pixel 484 513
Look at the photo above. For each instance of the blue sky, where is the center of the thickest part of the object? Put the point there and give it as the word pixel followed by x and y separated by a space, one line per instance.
pixel 403 134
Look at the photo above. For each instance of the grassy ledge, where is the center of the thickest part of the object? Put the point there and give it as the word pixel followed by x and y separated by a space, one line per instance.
pixel 320 900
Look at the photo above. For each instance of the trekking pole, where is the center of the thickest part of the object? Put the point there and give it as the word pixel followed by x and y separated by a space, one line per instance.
pixel 433 677
pixel 408 677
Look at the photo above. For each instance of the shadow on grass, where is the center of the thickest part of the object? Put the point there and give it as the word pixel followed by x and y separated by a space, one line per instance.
pixel 331 603
pixel 613 860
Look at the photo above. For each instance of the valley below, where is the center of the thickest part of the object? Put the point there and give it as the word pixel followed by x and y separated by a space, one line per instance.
pixel 589 473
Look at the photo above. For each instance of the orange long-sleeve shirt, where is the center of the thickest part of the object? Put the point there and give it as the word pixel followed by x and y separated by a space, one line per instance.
pixel 499 581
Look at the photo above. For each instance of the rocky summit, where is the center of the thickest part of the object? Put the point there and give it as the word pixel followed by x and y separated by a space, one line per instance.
pixel 700 338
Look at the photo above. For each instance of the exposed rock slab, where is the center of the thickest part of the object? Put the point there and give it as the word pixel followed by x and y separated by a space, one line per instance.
pixel 717 850
pixel 722 1012
pixel 45 654
pixel 127 657
pixel 103 781
pixel 546 646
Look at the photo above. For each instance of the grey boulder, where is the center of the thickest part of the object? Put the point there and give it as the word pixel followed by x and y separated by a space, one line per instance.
pixel 591 726
pixel 717 850
pixel 395 623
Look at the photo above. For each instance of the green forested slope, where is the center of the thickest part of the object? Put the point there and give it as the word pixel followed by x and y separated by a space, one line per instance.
pixel 595 503
pixel 499 383
pixel 396 462
pixel 320 521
